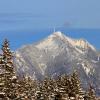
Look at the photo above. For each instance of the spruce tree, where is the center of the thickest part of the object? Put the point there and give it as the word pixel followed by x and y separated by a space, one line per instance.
pixel 76 89
pixel 2 78
pixel 91 93
pixel 64 89
pixel 8 74
pixel 40 95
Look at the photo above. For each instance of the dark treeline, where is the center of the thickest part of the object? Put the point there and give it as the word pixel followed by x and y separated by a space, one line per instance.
pixel 65 87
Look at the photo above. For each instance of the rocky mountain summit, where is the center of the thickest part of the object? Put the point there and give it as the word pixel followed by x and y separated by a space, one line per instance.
pixel 58 54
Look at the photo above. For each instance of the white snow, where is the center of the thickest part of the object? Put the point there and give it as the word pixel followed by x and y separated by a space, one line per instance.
pixel 87 70
pixel 2 93
pixel 42 66
pixel 14 77
pixel 84 44
pixel 80 51
pixel 98 58
pixel 58 33
pixel 94 61
pixel 18 55
pixel 47 44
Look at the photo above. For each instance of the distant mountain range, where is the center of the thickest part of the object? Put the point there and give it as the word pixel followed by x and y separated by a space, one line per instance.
pixel 58 54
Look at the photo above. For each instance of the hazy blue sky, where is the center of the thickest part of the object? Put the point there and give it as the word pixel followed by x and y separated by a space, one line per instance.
pixel 23 16
pixel 20 14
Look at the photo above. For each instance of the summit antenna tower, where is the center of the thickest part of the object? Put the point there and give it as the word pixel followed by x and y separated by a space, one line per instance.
pixel 54 30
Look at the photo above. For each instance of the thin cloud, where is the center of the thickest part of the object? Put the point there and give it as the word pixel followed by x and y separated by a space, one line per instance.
pixel 67 24
pixel 9 18
pixel 19 15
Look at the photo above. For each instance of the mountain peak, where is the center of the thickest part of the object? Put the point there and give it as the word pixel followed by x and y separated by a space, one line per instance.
pixel 55 39
pixel 58 33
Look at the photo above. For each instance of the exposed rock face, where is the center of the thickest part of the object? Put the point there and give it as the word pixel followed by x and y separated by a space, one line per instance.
pixel 58 54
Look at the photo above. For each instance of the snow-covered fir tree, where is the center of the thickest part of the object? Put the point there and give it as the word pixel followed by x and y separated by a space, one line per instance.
pixel 76 90
pixel 62 87
pixel 90 95
pixel 7 74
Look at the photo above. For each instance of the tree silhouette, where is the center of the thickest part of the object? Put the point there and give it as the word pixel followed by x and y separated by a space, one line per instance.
pixel 91 93
pixel 76 89
pixel 8 78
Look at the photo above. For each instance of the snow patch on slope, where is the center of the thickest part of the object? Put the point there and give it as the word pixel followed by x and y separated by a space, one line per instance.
pixel 87 70
pixel 84 44
pixel 47 44
pixel 42 66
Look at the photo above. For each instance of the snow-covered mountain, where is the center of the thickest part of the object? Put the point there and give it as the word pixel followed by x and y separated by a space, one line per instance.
pixel 59 54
